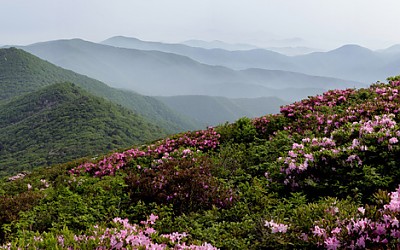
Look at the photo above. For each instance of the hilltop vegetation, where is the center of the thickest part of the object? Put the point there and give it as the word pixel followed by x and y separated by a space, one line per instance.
pixel 62 122
pixel 324 173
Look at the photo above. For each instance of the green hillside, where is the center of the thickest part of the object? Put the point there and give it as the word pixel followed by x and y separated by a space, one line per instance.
pixel 324 173
pixel 62 122
pixel 21 72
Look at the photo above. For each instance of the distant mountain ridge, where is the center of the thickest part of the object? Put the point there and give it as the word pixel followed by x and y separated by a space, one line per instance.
pixel 338 63
pixel 394 49
pixel 218 45
pixel 237 59
pixel 286 50
pixel 167 74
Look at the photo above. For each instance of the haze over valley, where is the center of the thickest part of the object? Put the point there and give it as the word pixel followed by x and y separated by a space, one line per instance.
pixel 202 82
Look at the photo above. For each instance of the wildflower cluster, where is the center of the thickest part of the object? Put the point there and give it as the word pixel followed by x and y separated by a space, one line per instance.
pixel 261 123
pixel 17 177
pixel 202 140
pixel 276 227
pixel 347 153
pixel 322 114
pixel 301 157
pixel 329 99
pixel 380 230
pixel 122 236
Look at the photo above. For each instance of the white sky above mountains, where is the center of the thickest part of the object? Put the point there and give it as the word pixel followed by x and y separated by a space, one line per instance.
pixel 324 24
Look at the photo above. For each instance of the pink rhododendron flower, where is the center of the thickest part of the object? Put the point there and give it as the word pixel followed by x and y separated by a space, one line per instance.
pixel 276 227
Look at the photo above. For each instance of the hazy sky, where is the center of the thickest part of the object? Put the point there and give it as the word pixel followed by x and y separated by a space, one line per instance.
pixel 321 23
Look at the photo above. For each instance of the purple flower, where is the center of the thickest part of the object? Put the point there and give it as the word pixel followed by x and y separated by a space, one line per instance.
pixel 332 243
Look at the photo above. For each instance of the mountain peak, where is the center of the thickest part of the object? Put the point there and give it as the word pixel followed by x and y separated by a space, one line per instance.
pixel 350 48
pixel 123 38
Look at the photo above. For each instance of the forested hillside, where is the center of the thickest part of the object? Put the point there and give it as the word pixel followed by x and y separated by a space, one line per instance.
pixel 21 72
pixel 321 174
pixel 62 122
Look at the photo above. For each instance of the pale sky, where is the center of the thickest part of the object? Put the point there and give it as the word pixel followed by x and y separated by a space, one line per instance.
pixel 321 23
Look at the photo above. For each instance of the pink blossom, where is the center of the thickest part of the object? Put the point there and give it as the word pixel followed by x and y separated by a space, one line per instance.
pixel 318 231
pixel 332 243
pixel 393 140
pixel 336 230
pixel 275 227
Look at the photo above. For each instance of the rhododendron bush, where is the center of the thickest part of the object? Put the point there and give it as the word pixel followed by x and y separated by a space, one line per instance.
pixel 322 174
pixel 122 235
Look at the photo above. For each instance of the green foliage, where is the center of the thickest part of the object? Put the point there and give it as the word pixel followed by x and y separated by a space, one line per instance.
pixel 186 183
pixel 242 130
pixel 75 202
pixel 11 206
pixel 45 127
pixel 393 78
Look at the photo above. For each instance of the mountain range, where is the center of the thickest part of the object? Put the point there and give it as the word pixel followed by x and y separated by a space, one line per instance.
pixel 166 74
pixel 351 62
pixel 286 50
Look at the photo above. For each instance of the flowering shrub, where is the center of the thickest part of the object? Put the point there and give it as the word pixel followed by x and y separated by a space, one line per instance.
pixel 324 113
pixel 268 125
pixel 380 230
pixel 202 140
pixel 348 154
pixel 17 176
pixel 185 181
pixel 276 227
pixel 122 236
